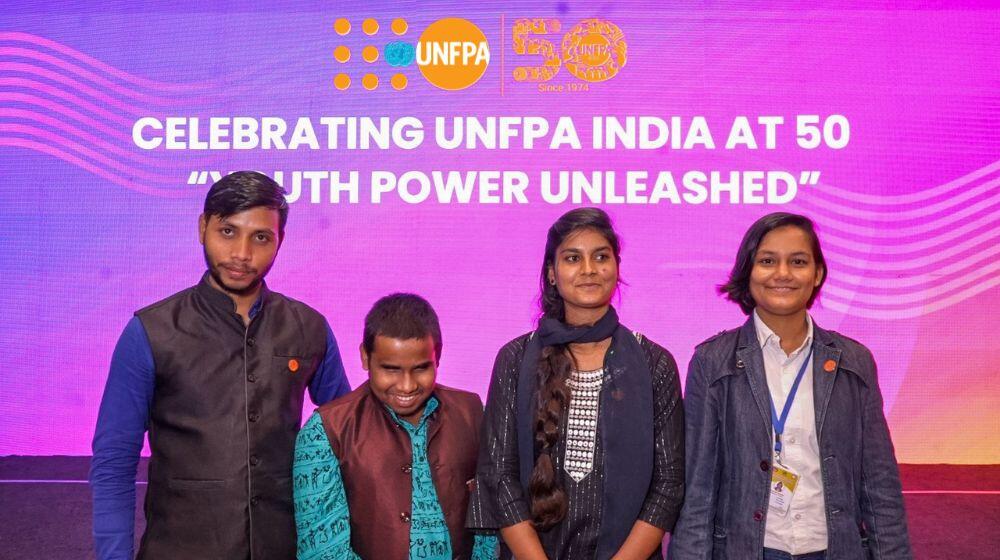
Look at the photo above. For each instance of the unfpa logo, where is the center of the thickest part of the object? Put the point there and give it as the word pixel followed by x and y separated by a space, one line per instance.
pixel 452 54
pixel 594 50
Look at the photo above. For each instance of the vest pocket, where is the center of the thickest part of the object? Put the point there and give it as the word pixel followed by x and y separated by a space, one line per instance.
pixel 192 518
pixel 294 365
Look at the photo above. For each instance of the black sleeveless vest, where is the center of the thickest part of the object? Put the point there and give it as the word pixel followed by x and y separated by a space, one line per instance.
pixel 226 409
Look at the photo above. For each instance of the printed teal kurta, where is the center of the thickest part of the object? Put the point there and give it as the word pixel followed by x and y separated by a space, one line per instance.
pixel 322 518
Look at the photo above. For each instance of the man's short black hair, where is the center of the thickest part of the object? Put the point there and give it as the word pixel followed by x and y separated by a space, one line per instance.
pixel 243 190
pixel 402 316
pixel 737 289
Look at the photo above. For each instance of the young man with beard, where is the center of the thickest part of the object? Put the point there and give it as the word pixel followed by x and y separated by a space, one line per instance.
pixel 216 374
pixel 385 472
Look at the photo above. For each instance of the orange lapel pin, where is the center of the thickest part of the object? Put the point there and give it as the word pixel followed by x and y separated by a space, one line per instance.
pixel 829 366
pixel 293 365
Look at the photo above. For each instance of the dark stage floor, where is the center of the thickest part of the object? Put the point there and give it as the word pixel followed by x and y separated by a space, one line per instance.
pixel 954 511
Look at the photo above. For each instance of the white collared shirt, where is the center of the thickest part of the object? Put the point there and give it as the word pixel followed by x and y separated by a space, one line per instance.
pixel 803 528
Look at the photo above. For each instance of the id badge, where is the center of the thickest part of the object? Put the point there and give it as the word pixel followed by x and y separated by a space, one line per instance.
pixel 783 483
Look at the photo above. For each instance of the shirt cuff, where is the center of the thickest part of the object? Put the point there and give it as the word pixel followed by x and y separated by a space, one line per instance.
pixel 494 505
pixel 662 516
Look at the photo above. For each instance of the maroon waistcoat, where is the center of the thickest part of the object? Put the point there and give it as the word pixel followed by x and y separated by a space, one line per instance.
pixel 375 462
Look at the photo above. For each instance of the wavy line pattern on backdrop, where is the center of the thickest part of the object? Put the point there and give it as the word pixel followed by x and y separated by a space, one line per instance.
pixel 903 256
pixel 66 104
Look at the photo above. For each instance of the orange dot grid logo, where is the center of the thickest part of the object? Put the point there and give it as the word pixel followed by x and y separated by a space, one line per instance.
pixel 452 54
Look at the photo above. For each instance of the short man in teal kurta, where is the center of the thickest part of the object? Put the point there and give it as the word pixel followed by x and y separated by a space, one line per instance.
pixel 400 353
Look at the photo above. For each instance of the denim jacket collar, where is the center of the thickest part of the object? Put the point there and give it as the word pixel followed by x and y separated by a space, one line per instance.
pixel 829 361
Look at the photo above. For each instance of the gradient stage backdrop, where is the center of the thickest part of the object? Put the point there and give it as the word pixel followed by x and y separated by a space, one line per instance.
pixel 882 125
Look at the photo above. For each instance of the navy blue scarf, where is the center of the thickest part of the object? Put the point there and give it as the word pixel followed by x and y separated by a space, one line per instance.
pixel 625 424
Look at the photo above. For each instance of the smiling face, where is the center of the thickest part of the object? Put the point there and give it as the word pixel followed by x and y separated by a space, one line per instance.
pixel 240 249
pixel 784 273
pixel 402 373
pixel 585 272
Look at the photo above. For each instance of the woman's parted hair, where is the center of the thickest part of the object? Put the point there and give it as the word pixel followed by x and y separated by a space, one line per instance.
pixel 569 223
pixel 737 288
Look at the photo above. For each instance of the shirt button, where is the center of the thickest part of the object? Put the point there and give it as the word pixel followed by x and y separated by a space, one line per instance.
pixel 254 460
pixel 407 468
pixel 404 517
pixel 791 440
pixel 254 416
pixel 764 466
pixel 758 515
pixel 251 341
pixel 252 378
pixel 798 516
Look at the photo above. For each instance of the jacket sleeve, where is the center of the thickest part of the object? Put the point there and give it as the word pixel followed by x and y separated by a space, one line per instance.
pixel 322 518
pixel 692 536
pixel 497 499
pixel 881 492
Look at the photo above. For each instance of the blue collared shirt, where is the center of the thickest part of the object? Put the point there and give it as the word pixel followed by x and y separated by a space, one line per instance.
pixel 124 418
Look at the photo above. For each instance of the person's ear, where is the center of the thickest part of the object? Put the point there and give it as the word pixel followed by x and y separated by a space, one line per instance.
pixel 364 357
pixel 202 227
pixel 820 274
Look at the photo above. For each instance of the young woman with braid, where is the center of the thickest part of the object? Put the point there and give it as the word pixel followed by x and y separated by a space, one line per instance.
pixel 582 450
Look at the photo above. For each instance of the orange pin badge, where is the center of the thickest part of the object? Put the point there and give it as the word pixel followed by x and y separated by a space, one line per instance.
pixel 293 365
pixel 829 366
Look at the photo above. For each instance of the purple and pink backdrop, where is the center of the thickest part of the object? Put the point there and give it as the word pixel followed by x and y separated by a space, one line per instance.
pixel 909 211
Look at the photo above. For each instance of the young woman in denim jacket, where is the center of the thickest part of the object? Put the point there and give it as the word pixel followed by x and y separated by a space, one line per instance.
pixel 818 481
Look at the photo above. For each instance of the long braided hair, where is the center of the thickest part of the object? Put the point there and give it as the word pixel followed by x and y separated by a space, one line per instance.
pixel 548 499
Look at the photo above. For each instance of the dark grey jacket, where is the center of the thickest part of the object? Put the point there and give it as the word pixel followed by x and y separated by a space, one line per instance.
pixel 222 426
pixel 729 449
